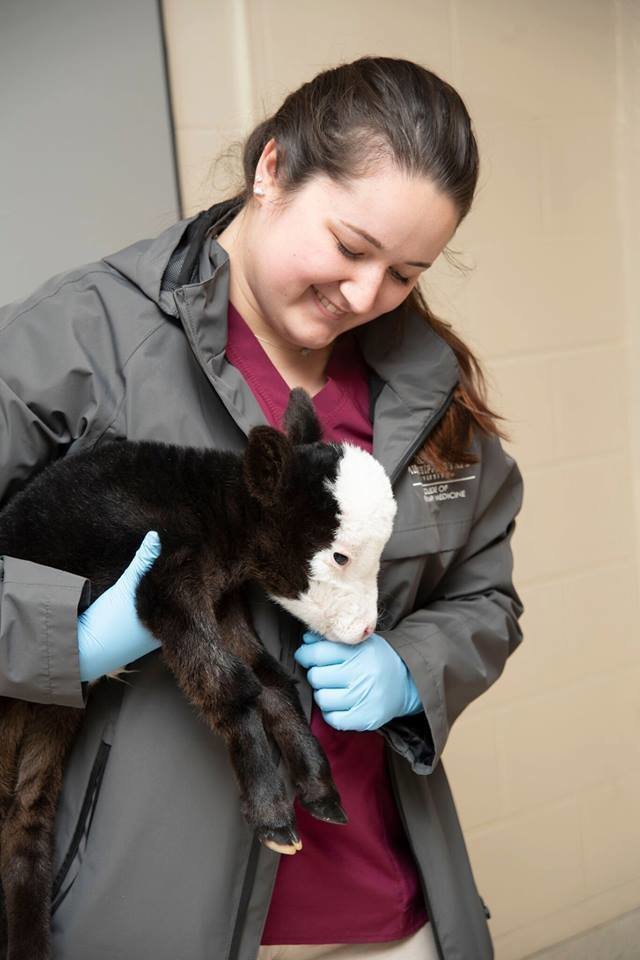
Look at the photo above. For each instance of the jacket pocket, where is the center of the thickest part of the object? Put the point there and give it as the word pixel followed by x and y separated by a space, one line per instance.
pixel 70 866
pixel 414 563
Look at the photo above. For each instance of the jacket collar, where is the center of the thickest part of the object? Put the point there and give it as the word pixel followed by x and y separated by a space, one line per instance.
pixel 419 372
pixel 416 371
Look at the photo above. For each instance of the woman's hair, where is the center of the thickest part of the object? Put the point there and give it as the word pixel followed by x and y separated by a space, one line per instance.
pixel 346 122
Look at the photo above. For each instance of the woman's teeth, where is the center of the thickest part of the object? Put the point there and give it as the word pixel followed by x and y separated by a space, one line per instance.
pixel 327 303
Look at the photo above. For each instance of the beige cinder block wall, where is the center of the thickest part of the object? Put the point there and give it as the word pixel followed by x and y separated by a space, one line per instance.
pixel 545 766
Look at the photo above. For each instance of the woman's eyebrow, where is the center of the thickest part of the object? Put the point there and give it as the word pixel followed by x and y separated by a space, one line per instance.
pixel 376 243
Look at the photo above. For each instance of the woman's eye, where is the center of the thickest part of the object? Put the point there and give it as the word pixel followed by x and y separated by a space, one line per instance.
pixel 346 252
pixel 340 559
pixel 355 256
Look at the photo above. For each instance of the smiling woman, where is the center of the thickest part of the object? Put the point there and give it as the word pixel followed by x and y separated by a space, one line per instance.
pixel 353 189
pixel 309 276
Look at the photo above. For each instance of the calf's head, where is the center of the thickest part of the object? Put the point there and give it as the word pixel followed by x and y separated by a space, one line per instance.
pixel 326 511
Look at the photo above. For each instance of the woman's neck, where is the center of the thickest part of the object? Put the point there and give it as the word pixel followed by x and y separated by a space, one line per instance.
pixel 308 371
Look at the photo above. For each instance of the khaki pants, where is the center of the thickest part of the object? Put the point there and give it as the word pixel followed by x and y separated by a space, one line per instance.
pixel 419 946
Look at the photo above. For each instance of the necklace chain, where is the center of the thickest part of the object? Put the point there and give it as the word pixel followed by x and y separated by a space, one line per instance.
pixel 302 351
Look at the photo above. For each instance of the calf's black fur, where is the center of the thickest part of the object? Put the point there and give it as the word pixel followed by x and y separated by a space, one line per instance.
pixel 223 519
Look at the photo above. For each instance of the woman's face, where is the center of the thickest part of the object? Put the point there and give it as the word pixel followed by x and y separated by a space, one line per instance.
pixel 313 248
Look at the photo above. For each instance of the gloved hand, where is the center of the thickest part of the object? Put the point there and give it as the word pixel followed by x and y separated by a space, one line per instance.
pixel 109 631
pixel 358 687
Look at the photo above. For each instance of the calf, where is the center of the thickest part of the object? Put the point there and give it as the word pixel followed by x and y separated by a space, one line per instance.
pixel 306 520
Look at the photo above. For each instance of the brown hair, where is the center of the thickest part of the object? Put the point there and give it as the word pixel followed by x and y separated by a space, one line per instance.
pixel 342 124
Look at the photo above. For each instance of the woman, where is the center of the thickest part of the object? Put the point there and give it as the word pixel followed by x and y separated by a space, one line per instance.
pixel 307 278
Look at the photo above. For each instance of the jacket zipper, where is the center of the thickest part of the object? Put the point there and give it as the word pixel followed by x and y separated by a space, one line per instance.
pixel 90 798
pixel 430 425
pixel 245 895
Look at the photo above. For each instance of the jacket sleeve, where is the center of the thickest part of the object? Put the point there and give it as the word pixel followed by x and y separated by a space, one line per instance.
pixel 457 645
pixel 52 394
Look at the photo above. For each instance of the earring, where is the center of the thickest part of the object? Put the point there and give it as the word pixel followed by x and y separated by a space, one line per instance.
pixel 259 192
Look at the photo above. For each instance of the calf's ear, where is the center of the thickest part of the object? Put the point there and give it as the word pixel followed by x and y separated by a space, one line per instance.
pixel 300 421
pixel 266 464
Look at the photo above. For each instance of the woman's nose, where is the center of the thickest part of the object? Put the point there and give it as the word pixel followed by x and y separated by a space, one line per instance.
pixel 362 291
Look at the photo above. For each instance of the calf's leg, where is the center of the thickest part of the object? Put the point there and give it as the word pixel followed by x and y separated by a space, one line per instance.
pixel 13 718
pixel 27 830
pixel 284 717
pixel 225 692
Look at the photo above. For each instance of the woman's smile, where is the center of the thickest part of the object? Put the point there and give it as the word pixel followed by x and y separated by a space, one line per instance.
pixel 328 308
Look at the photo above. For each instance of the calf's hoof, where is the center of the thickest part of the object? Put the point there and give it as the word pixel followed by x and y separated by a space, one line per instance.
pixel 281 840
pixel 328 810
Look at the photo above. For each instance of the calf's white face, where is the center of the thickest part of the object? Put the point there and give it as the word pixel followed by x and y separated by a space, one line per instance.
pixel 341 601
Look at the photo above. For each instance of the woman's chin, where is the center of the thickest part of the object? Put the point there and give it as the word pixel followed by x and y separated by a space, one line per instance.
pixel 319 338
pixel 323 334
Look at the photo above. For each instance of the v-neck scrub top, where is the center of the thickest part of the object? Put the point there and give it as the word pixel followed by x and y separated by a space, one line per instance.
pixel 358 882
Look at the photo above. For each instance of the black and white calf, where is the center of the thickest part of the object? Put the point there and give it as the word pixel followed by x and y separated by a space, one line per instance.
pixel 306 520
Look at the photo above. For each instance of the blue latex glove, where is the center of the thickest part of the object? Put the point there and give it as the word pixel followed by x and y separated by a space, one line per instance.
pixel 109 631
pixel 358 687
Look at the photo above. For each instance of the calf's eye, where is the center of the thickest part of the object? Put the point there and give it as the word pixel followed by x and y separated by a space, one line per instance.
pixel 340 559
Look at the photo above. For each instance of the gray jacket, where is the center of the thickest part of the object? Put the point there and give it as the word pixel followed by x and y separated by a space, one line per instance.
pixel 152 857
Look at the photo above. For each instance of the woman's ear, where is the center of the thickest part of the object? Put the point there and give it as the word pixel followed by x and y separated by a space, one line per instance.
pixel 267 167
pixel 267 464
pixel 300 421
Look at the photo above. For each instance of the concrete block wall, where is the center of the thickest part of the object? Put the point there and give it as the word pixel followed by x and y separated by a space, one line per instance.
pixel 545 766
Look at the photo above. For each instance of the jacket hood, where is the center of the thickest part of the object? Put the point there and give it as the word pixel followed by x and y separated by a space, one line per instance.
pixel 157 267
pixel 144 262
